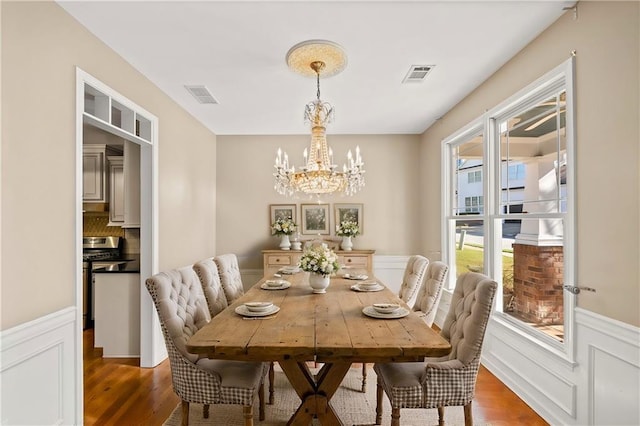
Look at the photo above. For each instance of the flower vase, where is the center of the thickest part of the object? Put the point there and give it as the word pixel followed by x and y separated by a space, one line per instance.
pixel 319 282
pixel 285 244
pixel 346 244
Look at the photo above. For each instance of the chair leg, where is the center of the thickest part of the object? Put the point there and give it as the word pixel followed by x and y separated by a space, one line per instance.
pixel 440 416
pixel 247 412
pixel 185 413
pixel 379 392
pixel 205 411
pixel 468 415
pixel 364 377
pixel 395 417
pixel 261 402
pixel 271 379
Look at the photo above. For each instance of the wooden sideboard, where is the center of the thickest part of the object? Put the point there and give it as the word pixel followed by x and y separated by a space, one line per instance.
pixel 276 259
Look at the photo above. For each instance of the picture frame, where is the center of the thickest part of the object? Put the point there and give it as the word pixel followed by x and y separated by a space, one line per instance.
pixel 315 219
pixel 282 211
pixel 343 211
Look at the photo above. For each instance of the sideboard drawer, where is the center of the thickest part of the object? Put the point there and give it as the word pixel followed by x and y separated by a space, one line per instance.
pixel 358 261
pixel 273 260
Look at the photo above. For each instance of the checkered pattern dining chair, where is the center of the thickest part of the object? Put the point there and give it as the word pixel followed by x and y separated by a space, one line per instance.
pixel 207 271
pixel 229 276
pixel 182 310
pixel 412 279
pixel 411 283
pixel 431 290
pixel 450 380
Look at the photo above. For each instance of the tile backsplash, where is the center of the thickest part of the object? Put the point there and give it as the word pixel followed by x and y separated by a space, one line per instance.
pixel 95 224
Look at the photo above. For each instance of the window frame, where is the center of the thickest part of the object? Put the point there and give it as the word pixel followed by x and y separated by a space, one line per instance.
pixel 561 77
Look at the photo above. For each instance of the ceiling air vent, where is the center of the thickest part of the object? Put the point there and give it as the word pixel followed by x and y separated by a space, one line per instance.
pixel 202 94
pixel 417 73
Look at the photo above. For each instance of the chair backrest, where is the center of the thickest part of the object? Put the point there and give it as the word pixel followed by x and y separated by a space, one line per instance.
pixel 207 272
pixel 412 279
pixel 181 306
pixel 229 276
pixel 431 291
pixel 466 322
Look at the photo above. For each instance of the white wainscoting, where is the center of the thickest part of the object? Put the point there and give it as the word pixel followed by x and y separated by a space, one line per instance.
pixel 38 372
pixel 600 387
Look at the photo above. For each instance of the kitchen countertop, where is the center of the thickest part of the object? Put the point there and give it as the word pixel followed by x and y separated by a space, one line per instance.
pixel 130 265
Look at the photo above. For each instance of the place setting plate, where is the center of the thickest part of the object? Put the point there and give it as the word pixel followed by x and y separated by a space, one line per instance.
pixel 367 286
pixel 257 309
pixel 289 270
pixel 385 311
pixel 275 285
pixel 358 277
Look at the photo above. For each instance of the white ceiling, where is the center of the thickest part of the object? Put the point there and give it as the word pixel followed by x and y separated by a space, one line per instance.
pixel 237 49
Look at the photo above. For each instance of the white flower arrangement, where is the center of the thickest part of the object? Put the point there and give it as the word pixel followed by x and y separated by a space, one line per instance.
pixel 283 227
pixel 319 260
pixel 347 228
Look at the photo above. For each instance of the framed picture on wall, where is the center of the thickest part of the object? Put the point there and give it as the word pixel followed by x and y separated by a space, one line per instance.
pixel 353 212
pixel 315 219
pixel 282 211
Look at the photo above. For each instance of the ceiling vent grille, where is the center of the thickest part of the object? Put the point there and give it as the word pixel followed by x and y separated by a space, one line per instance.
pixel 202 94
pixel 417 73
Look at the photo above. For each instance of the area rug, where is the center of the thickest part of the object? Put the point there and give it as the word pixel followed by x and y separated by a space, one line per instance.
pixel 353 407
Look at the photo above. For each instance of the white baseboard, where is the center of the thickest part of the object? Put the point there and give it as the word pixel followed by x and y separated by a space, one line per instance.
pixel 38 371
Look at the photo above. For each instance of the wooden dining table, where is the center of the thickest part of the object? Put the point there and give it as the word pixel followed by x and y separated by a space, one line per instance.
pixel 329 328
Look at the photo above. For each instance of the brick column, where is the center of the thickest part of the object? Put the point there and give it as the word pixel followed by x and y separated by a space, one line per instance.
pixel 538 275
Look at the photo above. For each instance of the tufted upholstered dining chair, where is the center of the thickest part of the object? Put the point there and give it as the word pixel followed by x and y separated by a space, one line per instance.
pixel 412 279
pixel 449 380
pixel 230 278
pixel 207 271
pixel 431 290
pixel 411 284
pixel 182 310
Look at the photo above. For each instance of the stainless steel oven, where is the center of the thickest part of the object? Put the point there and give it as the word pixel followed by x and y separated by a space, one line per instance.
pixel 96 252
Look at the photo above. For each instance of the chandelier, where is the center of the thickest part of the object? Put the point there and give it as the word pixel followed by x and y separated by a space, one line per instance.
pixel 318 175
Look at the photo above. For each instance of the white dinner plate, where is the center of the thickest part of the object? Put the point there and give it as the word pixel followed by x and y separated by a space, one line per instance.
pixel 356 287
pixel 370 312
pixel 355 277
pixel 289 270
pixel 283 284
pixel 242 310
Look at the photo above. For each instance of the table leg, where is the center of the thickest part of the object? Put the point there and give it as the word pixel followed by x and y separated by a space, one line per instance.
pixel 315 392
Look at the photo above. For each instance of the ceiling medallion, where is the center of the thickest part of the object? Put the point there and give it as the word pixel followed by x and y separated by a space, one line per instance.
pixel 318 175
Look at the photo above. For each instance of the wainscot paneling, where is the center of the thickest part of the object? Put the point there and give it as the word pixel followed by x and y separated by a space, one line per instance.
pixel 38 372
pixel 601 386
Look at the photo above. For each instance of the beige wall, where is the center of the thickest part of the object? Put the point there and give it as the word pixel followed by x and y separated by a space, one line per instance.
pixel 41 46
pixel 607 40
pixel 245 190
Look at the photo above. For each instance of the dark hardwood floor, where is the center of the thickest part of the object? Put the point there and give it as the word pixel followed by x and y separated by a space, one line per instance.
pixel 118 392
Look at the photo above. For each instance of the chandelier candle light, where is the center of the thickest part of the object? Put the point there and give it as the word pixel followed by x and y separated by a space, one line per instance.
pixel 319 175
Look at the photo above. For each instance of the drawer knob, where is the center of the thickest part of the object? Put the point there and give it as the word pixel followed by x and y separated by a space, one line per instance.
pixel 349 260
pixel 277 260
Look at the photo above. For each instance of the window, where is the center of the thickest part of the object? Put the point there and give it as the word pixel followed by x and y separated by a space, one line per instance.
pixel 517 226
pixel 473 204
pixel 475 176
pixel 516 172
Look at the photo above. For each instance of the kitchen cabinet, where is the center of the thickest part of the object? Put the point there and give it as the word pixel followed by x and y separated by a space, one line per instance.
pixel 116 190
pixel 273 260
pixel 131 185
pixel 117 314
pixel 95 183
pixel 124 187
